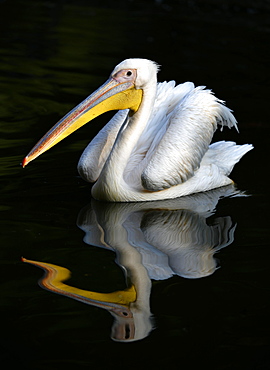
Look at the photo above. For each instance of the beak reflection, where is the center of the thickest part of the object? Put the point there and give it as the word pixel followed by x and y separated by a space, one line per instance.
pixel 152 241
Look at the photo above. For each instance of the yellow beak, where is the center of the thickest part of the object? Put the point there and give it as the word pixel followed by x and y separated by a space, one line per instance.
pixel 112 95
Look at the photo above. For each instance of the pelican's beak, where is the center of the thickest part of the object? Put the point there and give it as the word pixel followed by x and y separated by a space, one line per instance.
pixel 117 93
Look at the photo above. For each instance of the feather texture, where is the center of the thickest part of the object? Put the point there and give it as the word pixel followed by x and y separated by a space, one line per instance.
pixel 163 151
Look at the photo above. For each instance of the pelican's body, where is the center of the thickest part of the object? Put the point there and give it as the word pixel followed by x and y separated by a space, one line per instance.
pixel 158 145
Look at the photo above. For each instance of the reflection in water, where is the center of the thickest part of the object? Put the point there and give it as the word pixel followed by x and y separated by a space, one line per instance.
pixel 152 240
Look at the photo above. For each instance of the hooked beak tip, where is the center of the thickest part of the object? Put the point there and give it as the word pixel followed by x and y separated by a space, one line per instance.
pixel 24 162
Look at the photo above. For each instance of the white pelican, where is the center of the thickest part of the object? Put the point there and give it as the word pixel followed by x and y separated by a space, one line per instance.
pixel 158 145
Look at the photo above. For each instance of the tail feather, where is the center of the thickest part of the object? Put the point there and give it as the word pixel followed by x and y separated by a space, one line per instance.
pixel 225 154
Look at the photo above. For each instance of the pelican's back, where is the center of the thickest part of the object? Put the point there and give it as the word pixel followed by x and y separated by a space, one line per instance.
pixel 177 136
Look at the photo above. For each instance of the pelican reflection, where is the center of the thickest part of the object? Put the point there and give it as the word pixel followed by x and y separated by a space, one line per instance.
pixel 152 240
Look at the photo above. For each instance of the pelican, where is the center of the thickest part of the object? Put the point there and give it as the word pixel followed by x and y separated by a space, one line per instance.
pixel 157 146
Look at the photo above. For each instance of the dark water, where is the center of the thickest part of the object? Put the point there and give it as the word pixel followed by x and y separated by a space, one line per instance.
pixel 53 54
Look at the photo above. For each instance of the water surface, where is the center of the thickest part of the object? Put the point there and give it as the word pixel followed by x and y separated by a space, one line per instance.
pixel 52 56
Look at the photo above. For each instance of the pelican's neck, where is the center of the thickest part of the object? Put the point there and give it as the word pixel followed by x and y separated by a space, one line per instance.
pixel 127 139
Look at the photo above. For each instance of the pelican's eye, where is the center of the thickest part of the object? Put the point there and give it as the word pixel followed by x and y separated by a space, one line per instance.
pixel 125 75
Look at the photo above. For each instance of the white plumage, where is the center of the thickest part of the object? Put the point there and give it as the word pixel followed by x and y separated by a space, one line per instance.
pixel 158 144
pixel 172 150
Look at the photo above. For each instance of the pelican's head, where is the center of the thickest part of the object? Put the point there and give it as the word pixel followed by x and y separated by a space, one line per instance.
pixel 146 71
pixel 123 90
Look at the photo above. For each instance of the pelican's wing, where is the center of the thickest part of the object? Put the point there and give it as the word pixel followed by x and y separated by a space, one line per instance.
pixel 189 130
pixel 96 153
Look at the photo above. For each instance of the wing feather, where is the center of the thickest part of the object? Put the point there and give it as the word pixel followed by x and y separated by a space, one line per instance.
pixel 189 130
